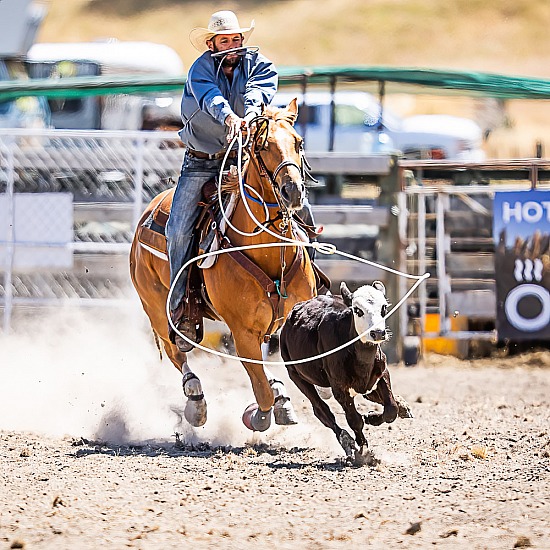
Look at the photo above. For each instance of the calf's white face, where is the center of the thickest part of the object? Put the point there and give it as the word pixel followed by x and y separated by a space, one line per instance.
pixel 369 306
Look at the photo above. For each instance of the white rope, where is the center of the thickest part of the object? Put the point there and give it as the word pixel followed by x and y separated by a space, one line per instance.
pixel 240 148
pixel 334 250
pixel 323 248
pixel 261 226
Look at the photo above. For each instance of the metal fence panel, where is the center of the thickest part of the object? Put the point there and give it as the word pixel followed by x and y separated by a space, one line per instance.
pixel 69 203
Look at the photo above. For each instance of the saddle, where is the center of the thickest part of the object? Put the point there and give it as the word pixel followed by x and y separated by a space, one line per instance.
pixel 209 236
pixel 152 236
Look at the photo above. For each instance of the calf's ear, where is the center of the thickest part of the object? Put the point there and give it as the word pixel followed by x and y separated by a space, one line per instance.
pixel 379 285
pixel 346 294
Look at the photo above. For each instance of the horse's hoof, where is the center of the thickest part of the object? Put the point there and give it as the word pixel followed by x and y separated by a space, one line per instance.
pixel 195 412
pixel 255 419
pixel 364 456
pixel 403 408
pixel 284 414
pixel 348 443
pixel 195 408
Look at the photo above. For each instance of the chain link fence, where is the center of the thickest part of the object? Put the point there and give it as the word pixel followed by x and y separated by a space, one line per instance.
pixel 69 203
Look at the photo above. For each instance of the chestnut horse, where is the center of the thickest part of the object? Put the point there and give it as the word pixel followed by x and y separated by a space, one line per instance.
pixel 253 306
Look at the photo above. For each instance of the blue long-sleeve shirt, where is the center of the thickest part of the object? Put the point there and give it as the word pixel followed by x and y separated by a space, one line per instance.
pixel 208 97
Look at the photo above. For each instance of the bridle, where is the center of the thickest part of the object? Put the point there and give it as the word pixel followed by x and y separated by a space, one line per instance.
pixel 259 143
pixel 275 289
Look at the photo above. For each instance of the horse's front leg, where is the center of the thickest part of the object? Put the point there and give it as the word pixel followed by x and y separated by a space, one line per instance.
pixel 257 416
pixel 283 411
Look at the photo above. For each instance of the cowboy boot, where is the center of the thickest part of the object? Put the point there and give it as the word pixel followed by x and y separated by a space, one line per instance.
pixel 185 326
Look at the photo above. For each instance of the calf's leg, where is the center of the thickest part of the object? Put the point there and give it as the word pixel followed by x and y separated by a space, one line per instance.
pixel 322 411
pixel 353 418
pixel 383 395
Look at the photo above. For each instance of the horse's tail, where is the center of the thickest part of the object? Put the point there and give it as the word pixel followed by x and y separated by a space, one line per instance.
pixel 157 342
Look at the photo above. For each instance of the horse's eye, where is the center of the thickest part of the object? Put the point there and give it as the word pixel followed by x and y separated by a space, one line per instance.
pixel 384 310
pixel 358 311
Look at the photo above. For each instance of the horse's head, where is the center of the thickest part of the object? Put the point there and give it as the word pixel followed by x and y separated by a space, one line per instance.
pixel 278 151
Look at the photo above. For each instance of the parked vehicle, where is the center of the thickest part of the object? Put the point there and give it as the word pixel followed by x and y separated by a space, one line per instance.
pixel 23 112
pixel 108 58
pixel 359 126
pixel 24 18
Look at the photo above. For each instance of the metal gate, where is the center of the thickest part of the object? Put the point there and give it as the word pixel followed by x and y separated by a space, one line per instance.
pixel 447 230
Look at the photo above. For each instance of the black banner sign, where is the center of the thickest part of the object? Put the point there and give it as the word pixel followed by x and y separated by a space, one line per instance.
pixel 521 230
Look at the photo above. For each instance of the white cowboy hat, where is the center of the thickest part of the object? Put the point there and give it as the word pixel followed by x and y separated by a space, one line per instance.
pixel 221 22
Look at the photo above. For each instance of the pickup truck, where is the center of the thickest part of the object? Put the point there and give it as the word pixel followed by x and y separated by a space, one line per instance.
pixel 360 126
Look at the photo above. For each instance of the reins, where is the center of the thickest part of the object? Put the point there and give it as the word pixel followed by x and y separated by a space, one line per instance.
pixel 262 128
pixel 275 289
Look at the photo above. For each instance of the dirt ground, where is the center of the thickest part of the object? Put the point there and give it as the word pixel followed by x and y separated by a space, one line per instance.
pixel 89 459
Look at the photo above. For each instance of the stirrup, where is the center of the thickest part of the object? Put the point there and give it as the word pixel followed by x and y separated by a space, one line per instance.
pixel 189 329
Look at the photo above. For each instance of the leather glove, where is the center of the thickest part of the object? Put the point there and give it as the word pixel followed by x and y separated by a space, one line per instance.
pixel 234 124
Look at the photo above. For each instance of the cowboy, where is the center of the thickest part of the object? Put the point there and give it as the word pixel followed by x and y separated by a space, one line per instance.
pixel 225 89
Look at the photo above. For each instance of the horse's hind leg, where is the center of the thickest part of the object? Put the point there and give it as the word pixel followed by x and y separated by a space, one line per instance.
pixel 195 411
pixel 283 411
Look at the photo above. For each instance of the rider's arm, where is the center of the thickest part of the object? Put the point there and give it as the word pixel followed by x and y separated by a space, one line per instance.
pixel 261 84
pixel 205 88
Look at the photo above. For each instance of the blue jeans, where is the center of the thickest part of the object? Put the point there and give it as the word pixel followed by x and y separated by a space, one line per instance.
pixel 183 217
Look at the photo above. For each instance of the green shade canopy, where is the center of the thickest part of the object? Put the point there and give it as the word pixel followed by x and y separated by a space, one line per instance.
pixel 397 79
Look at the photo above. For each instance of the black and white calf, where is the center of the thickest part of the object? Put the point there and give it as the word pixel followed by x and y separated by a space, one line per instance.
pixel 325 323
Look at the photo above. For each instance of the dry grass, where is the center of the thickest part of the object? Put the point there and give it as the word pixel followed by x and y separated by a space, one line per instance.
pixel 502 36
pixel 479 451
pixel 492 35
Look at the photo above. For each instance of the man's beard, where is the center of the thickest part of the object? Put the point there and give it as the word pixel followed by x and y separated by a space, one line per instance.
pixel 226 62
pixel 231 62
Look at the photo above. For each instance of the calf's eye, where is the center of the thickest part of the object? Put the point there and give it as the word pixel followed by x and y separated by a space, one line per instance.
pixel 358 311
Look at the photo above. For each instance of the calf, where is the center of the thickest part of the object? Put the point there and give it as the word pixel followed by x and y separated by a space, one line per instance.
pixel 328 322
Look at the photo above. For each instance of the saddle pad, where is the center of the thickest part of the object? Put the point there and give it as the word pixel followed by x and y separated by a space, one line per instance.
pixel 153 241
pixel 151 234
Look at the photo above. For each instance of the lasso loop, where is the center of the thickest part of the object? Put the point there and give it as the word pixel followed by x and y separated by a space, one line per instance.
pixel 323 248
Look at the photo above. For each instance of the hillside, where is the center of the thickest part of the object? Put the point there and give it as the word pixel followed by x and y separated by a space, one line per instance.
pixel 503 36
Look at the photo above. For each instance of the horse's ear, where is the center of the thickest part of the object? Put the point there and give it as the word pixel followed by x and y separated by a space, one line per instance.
pixel 293 110
pixel 347 296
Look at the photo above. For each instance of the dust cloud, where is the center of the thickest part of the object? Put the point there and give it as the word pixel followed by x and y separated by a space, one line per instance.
pixel 97 374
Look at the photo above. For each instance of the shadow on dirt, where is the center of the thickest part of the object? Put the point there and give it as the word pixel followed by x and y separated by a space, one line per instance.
pixel 276 458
